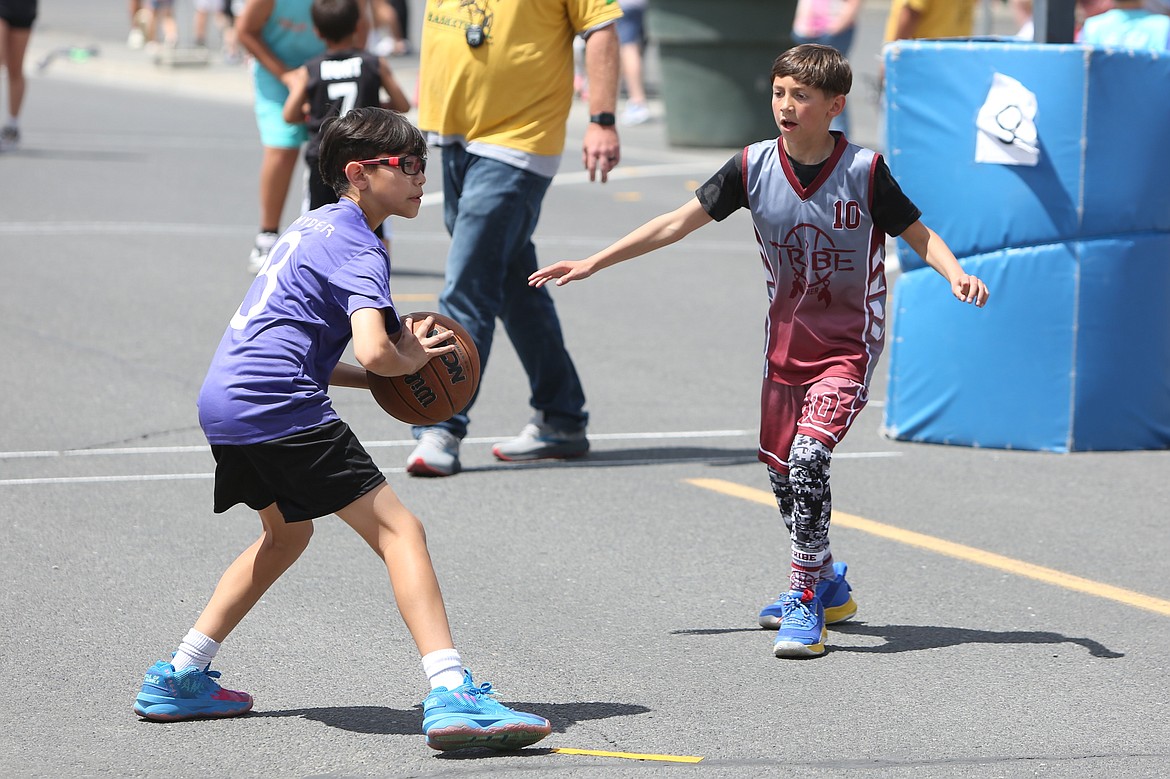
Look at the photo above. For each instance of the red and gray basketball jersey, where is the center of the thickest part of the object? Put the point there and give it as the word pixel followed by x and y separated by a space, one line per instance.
pixel 824 261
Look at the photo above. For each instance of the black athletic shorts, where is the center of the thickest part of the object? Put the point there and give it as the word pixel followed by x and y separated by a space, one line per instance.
pixel 20 14
pixel 309 474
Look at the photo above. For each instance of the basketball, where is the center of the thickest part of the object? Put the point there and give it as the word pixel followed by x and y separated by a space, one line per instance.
pixel 439 391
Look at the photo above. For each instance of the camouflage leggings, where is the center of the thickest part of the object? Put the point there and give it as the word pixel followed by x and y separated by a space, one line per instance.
pixel 805 506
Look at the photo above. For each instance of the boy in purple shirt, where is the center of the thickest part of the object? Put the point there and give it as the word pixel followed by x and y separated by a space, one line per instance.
pixel 280 447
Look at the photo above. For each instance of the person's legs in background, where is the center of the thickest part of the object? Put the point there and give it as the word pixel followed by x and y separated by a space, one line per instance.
pixel 491 210
pixel 13 46
pixel 138 16
pixel 282 147
pixel 632 35
pixel 401 30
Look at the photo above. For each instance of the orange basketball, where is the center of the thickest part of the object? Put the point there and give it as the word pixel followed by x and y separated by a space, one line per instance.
pixel 439 391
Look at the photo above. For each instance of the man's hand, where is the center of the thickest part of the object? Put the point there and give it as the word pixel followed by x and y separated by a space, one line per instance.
pixel 602 151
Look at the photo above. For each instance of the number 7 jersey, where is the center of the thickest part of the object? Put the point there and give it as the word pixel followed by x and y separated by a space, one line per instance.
pixel 824 261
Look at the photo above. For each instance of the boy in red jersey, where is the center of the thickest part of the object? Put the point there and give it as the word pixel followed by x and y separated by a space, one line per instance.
pixel 822 208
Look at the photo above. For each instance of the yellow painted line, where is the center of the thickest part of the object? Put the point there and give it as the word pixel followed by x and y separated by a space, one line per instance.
pixel 627 197
pixel 629 755
pixel 416 296
pixel 960 551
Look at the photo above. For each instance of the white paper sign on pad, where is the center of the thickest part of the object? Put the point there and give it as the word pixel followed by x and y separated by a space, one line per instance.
pixel 1005 131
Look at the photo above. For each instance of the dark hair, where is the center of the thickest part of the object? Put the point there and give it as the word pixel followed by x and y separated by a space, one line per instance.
pixel 363 134
pixel 335 20
pixel 815 65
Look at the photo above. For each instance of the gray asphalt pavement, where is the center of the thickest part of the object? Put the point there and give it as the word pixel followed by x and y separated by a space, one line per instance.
pixel 1014 606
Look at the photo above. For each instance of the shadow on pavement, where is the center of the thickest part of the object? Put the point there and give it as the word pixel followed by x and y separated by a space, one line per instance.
pixel 909 638
pixel 912 638
pixel 614 458
pixel 385 721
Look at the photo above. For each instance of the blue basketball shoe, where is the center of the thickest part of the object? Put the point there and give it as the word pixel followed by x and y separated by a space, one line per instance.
pixel 802 626
pixel 834 594
pixel 469 717
pixel 168 695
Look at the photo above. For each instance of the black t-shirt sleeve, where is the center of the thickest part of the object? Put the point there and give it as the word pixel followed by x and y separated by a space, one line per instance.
pixel 724 193
pixel 892 211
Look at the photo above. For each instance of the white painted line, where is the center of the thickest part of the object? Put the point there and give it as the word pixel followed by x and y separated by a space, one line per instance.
pixel 618 174
pixel 129 450
pixel 594 462
pixel 140 450
pixel 596 437
pixel 136 477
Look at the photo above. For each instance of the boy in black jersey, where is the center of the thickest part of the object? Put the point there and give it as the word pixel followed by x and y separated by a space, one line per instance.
pixel 821 208
pixel 343 78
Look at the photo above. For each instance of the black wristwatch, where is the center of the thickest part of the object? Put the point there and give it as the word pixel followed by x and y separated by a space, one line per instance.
pixel 605 119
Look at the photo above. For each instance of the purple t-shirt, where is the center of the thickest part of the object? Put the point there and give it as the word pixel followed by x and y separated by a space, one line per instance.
pixel 270 374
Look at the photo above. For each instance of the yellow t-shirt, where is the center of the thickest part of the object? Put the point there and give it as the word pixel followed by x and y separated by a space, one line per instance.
pixel 940 18
pixel 516 89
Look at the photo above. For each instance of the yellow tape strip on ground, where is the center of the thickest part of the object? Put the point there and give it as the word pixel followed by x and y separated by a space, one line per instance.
pixel 628 755
pixel 951 549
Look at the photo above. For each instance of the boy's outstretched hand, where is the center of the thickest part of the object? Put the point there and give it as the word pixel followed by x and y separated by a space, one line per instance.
pixel 562 272
pixel 970 289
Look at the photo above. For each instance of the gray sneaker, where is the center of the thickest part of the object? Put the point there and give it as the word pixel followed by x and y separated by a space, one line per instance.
pixel 437 454
pixel 264 244
pixel 541 441
pixel 9 138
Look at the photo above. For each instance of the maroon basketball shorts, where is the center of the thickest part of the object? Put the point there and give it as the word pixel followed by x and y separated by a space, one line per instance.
pixel 823 410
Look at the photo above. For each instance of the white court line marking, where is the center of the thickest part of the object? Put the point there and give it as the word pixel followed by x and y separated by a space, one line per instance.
pixel 618 174
pixel 132 451
pixel 144 450
pixel 544 464
pixel 430 199
pixel 140 450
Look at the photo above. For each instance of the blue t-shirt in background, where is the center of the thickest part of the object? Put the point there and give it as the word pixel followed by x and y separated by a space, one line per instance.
pixel 1128 28
pixel 290 35
pixel 270 375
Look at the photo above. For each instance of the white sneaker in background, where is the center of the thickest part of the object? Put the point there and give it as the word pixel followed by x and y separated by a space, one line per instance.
pixel 635 113
pixel 264 244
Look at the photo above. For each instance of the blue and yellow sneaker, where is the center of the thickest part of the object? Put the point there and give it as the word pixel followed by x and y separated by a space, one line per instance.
pixel 834 594
pixel 168 695
pixel 802 626
pixel 469 717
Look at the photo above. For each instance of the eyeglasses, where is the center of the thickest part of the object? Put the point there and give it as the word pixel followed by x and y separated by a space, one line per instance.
pixel 411 164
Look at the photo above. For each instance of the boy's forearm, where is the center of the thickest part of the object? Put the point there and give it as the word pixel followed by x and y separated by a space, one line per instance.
pixel 658 232
pixel 390 362
pixel 346 375
pixel 940 257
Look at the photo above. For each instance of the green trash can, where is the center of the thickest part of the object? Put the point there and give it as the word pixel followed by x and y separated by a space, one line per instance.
pixel 715 59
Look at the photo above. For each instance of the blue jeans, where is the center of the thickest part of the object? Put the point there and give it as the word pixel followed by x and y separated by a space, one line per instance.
pixel 491 209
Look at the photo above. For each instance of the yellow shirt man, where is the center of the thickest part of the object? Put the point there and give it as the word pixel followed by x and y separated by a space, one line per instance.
pixel 513 89
pixel 930 19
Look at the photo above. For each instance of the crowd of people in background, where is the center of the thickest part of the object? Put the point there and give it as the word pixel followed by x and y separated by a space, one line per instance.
pixel 154 25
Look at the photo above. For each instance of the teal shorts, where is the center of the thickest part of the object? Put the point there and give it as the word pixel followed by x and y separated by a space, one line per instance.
pixel 274 131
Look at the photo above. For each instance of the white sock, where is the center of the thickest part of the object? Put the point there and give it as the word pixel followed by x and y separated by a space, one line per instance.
pixel 196 649
pixel 15 122
pixel 444 668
